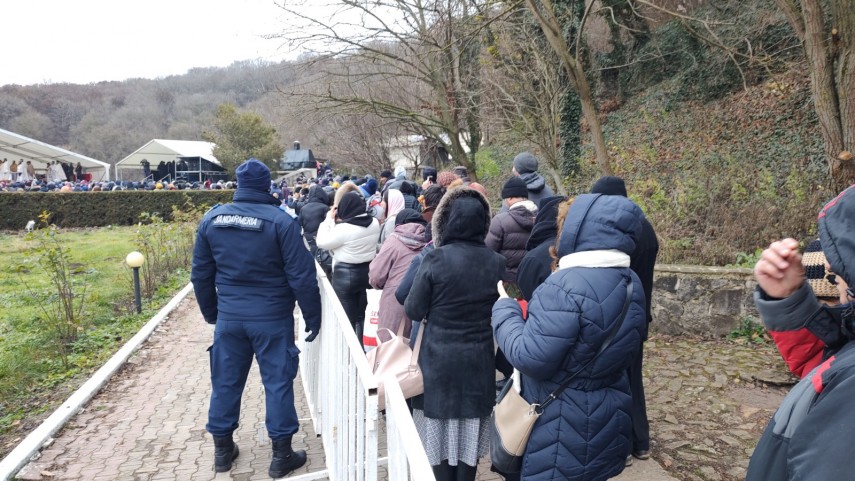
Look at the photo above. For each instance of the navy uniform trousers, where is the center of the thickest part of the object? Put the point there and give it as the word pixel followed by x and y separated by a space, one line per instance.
pixel 272 343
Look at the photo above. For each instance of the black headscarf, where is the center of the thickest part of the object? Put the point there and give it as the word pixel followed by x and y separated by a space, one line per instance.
pixel 409 216
pixel 351 210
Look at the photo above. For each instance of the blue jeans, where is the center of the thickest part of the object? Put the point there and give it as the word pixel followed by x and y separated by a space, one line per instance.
pixel 272 343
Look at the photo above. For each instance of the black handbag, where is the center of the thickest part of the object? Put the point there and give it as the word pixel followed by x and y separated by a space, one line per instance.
pixel 324 258
pixel 513 418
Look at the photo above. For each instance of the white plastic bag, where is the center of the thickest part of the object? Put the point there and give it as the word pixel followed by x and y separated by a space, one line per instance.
pixel 372 319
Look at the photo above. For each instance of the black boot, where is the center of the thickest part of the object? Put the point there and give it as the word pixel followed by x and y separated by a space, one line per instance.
pixel 225 451
pixel 285 459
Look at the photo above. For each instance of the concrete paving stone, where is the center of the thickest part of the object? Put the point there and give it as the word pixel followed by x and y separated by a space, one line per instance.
pixel 163 477
pixel 106 477
pixel 151 416
pixel 184 473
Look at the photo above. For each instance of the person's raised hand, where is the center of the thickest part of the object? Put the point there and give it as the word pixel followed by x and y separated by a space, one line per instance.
pixel 780 272
pixel 503 294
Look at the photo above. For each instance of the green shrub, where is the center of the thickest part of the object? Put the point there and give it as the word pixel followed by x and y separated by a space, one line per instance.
pixel 97 209
pixel 61 302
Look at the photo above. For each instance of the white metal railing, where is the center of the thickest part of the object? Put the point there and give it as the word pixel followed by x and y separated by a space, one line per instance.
pixel 407 458
pixel 341 392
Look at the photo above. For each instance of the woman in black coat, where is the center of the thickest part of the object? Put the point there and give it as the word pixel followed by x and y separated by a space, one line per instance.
pixel 454 292
pixel 312 213
pixel 536 265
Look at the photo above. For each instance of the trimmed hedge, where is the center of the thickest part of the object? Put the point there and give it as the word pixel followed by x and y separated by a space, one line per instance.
pixel 94 209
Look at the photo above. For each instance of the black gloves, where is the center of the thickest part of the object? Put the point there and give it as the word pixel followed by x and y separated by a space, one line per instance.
pixel 313 333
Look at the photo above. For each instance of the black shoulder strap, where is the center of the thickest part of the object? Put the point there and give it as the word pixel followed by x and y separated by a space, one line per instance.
pixel 603 347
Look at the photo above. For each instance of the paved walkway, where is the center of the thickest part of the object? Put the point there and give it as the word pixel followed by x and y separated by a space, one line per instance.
pixel 149 421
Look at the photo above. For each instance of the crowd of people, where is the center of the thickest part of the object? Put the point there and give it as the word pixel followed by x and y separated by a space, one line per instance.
pixel 46 185
pixel 22 175
pixel 445 265
pixel 557 288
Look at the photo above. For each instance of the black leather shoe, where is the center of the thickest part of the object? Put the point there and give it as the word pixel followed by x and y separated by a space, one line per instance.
pixel 641 454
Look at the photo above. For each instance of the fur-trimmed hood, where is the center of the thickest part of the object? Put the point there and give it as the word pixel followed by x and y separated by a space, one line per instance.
pixel 344 189
pixel 458 217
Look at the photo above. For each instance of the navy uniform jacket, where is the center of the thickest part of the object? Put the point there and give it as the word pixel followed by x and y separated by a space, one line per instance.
pixel 250 263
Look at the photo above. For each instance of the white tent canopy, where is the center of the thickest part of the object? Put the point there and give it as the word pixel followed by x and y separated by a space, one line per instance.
pixel 202 163
pixel 15 147
pixel 160 150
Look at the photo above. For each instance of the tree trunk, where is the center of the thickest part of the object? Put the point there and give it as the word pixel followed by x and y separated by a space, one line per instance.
pixel 556 177
pixel 549 25
pixel 843 42
pixel 589 110
pixel 831 63
pixel 821 67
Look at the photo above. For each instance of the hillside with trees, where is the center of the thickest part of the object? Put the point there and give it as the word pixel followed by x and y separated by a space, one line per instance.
pixel 732 121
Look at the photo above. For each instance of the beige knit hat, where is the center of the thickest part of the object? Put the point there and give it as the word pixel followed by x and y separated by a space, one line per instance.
pixel 814 261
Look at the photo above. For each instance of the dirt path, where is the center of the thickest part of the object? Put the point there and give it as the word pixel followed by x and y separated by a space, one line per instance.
pixel 709 402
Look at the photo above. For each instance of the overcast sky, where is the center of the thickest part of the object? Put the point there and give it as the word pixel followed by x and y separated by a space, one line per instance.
pixel 84 41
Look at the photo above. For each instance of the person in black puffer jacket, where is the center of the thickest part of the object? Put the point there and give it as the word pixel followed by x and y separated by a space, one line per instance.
pixel 510 230
pixel 536 265
pixel 312 213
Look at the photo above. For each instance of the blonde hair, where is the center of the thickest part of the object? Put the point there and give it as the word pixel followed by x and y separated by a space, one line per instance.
pixel 563 209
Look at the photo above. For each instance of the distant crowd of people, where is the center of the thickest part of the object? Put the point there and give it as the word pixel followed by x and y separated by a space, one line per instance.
pixel 21 172
pixel 44 185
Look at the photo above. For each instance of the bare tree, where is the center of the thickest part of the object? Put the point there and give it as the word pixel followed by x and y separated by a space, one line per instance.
pixel 526 89
pixel 544 12
pixel 829 46
pixel 411 62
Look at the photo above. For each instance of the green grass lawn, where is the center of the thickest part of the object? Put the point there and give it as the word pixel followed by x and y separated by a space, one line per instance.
pixel 33 378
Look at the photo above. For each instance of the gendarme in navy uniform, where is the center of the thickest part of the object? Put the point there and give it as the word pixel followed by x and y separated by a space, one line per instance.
pixel 249 267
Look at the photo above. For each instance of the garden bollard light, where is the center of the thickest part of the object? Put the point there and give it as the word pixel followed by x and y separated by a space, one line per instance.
pixel 135 260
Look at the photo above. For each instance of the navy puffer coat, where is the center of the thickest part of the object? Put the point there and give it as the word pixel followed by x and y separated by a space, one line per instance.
pixel 585 433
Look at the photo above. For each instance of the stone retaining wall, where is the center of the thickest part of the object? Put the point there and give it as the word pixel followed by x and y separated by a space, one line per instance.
pixel 705 301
